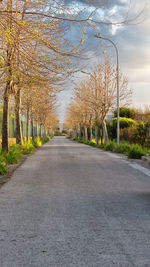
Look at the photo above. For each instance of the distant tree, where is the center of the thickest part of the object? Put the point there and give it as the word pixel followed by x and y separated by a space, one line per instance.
pixel 126 112
pixel 96 97
pixel 143 114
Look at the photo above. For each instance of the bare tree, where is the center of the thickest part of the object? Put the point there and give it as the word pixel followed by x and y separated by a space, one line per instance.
pixel 97 96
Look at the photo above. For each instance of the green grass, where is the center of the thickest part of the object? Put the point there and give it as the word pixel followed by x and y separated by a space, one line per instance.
pixel 16 151
pixel 13 156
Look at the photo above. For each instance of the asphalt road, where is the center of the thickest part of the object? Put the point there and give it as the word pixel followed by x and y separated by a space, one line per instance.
pixel 71 205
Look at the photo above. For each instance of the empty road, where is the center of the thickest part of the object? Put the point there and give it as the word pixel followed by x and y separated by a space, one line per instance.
pixel 71 205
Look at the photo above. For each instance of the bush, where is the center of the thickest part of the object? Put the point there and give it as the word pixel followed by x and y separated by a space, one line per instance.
pixel 91 143
pixel 136 152
pixel 81 141
pixel 3 168
pixel 44 140
pixel 37 142
pixel 27 147
pixel 141 132
pixel 122 148
pixel 74 139
pixel 126 112
pixel 101 146
pixel 124 122
pixel 12 157
pixel 15 148
pixel 2 158
pixel 111 146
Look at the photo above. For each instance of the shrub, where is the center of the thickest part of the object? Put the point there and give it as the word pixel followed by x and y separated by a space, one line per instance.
pixel 101 146
pixel 128 134
pixel 122 147
pixel 91 143
pixel 126 112
pixel 45 139
pixel 112 133
pixel 81 141
pixel 3 168
pixel 2 159
pixel 74 139
pixel 37 142
pixel 12 157
pixel 28 147
pixel 40 141
pixel 48 138
pixel 124 122
pixel 110 146
pixel 15 147
pixel 136 152
pixel 141 132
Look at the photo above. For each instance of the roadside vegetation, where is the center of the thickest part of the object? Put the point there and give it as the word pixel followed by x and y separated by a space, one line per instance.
pixel 16 151
pixel 132 151
pixel 134 132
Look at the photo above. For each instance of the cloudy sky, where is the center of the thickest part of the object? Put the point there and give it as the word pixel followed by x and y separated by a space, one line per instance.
pixel 132 40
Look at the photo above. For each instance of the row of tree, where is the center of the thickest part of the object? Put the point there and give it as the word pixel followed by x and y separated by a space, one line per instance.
pixel 35 54
pixel 94 98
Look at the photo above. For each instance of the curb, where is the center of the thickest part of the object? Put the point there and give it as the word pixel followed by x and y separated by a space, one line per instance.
pixel 146 159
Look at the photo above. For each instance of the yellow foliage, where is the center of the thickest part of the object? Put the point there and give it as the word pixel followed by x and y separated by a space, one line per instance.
pixel 82 40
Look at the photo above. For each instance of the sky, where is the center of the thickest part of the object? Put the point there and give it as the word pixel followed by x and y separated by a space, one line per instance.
pixel 132 40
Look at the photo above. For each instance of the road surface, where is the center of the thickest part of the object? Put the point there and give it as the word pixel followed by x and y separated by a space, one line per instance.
pixel 71 205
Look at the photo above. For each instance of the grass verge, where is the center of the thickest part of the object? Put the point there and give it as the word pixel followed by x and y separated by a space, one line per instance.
pixel 17 151
pixel 132 151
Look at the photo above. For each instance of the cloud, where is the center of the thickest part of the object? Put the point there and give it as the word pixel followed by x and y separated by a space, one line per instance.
pixel 133 42
pixel 98 3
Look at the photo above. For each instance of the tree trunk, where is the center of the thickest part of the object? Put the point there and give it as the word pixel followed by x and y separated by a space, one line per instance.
pixel 101 134
pixel 5 145
pixel 5 125
pixel 44 131
pixel 32 127
pixel 96 134
pixel 85 133
pixel 36 129
pixel 40 130
pixel 91 135
pixel 79 132
pixel 18 117
pixel 74 133
pixel 27 129
pixel 105 133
